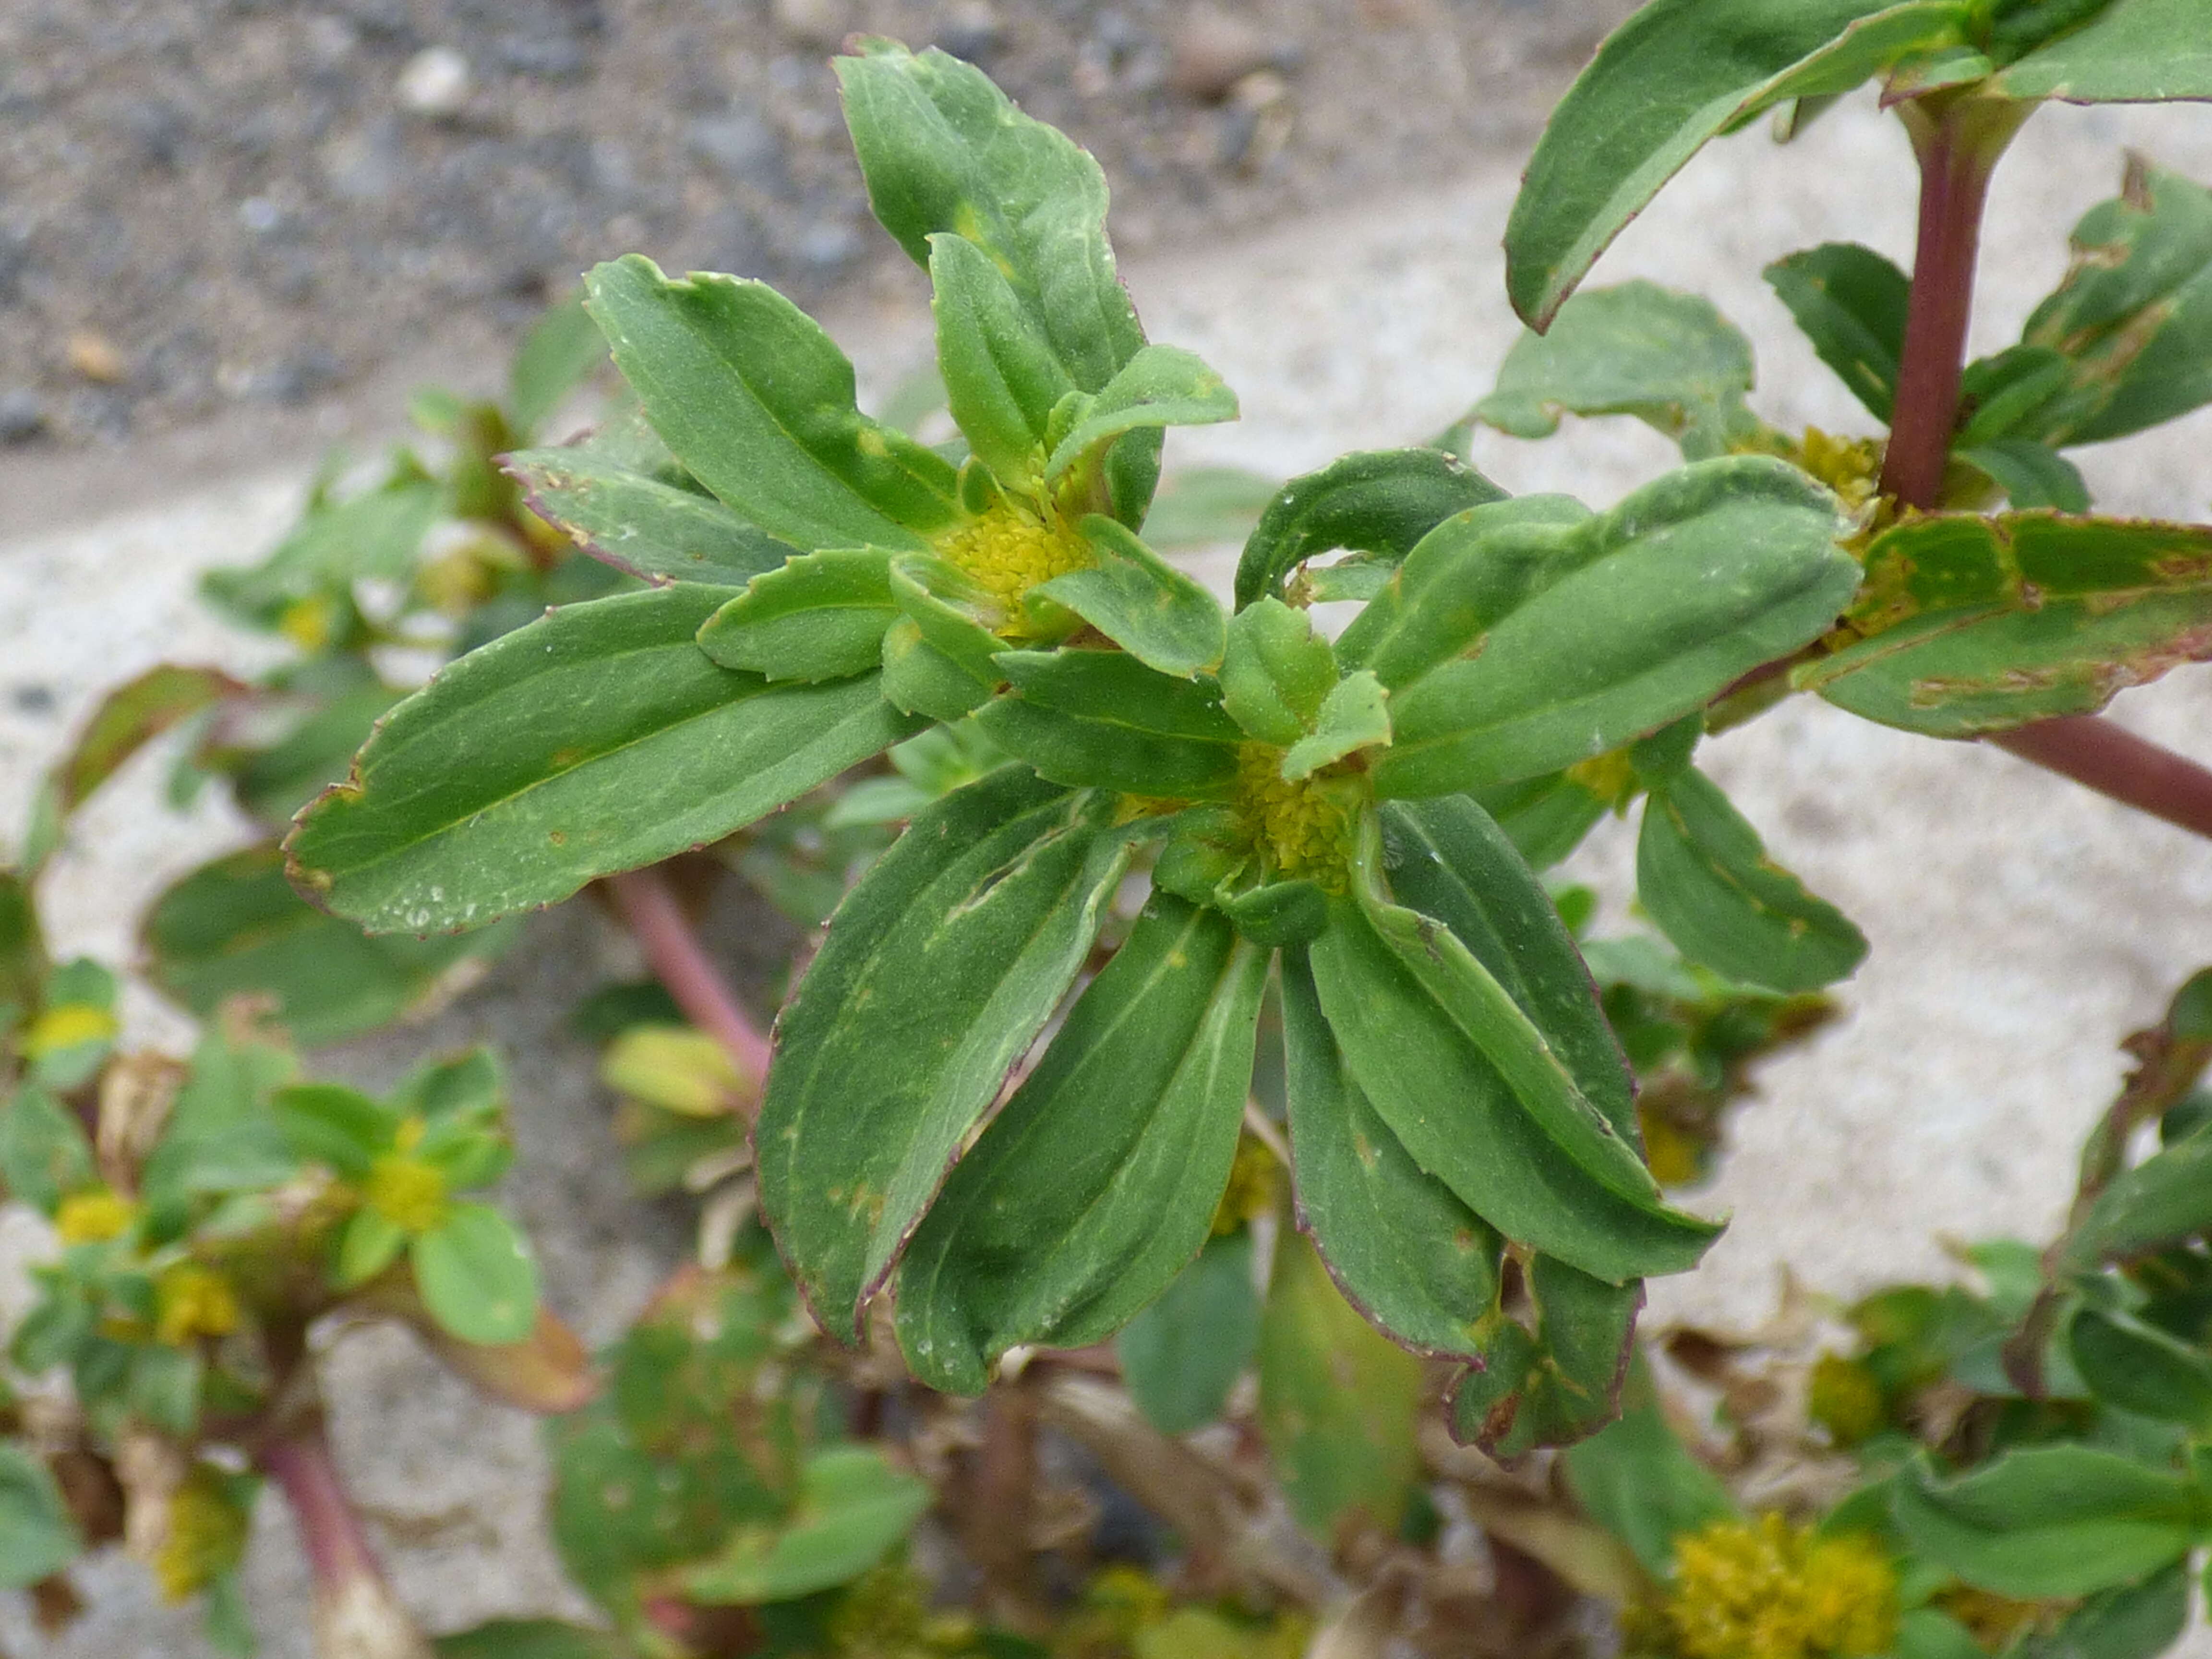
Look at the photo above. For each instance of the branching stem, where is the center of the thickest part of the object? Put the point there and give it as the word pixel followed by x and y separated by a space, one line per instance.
pixel 655 918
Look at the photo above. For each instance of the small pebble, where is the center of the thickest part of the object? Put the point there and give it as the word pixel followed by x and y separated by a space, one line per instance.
pixel 1213 51
pixel 23 415
pixel 94 356
pixel 31 698
pixel 436 83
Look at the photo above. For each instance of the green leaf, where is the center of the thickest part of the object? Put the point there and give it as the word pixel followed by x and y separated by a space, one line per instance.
pixel 939 970
pixel 1276 673
pixel 853 1507
pixel 1159 387
pixel 1480 1101
pixel 371 1242
pixel 1976 624
pixel 1379 502
pixel 821 617
pixel 329 1123
pixel 757 403
pixel 2141 1369
pixel 1098 1182
pixel 45 1155
pixel 1463 578
pixel 561 348
pixel 1924 1634
pixel 131 716
pixel 236 926
pixel 942 150
pixel 1338 1403
pixel 1666 600
pixel 1414 1259
pixel 1182 1356
pixel 1677 73
pixel 598 739
pixel 1545 818
pixel 376 534
pixel 920 678
pixel 1355 715
pixel 2131 1621
pixel 1142 603
pixel 2166 1198
pixel 641 525
pixel 1704 876
pixel 2133 51
pixel 221 1137
pixel 274 783
pixel 1448 860
pixel 2050 1521
pixel 1002 380
pixel 1669 359
pixel 477 1275
pixel 1640 1483
pixel 1552 1384
pixel 1851 302
pixel 531 1638
pixel 2031 474
pixel 36 1537
pixel 2131 325
pixel 1102 718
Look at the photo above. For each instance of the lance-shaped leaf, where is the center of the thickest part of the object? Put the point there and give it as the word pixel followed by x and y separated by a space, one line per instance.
pixel 561 348
pixel 1160 386
pixel 2132 51
pixel 1669 359
pixel 1980 624
pixel 2129 1621
pixel 1338 1404
pixel 1002 378
pixel 235 927
pixel 2050 1521
pixel 1702 874
pixel 853 1507
pixel 1688 584
pixel 2163 1199
pixel 131 716
pixel 1103 719
pixel 1182 1356
pixel 1142 603
pixel 1355 715
pixel 2131 328
pixel 2142 1369
pixel 1276 673
pixel 942 150
pixel 939 970
pixel 640 524
pixel 375 534
pixel 1851 302
pixel 1469 1086
pixel 821 616
pixel 38 1538
pixel 1545 818
pixel 757 404
pixel 1556 1379
pixel 1462 578
pixel 596 739
pixel 1401 1247
pixel 1098 1183
pixel 1448 860
pixel 1379 502
pixel 2031 474
pixel 1676 74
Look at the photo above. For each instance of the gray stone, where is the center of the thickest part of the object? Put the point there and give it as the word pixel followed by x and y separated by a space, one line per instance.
pixel 23 415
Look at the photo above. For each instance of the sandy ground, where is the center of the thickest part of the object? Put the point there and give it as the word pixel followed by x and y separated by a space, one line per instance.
pixel 2019 925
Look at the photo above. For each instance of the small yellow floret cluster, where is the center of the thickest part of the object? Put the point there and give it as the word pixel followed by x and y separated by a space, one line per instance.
pixel 1300 826
pixel 1009 550
pixel 205 1538
pixel 1849 466
pixel 1844 1399
pixel 191 1302
pixel 405 1190
pixel 1764 1589
pixel 95 1217
pixel 1254 1180
pixel 885 1614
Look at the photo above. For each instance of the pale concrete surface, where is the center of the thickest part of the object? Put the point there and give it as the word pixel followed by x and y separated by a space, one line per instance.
pixel 2019 925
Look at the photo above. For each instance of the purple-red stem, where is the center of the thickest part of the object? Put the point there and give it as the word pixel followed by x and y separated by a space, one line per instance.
pixel 655 918
pixel 1959 144
pixel 331 1531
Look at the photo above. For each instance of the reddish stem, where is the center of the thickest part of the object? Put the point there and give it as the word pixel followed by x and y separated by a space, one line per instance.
pixel 331 1531
pixel 2114 761
pixel 650 909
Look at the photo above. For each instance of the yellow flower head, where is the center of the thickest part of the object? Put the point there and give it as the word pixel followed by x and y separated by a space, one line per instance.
pixel 95 1217
pixel 1302 827
pixel 1763 1589
pixel 191 1302
pixel 67 1025
pixel 1011 549
pixel 308 623
pixel 206 1536
pixel 406 1190
pixel 1849 466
